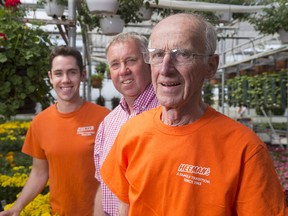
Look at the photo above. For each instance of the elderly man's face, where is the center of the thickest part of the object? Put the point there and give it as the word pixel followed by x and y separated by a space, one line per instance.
pixel 179 85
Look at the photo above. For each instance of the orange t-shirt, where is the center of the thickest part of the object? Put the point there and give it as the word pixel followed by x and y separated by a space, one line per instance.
pixel 66 141
pixel 212 167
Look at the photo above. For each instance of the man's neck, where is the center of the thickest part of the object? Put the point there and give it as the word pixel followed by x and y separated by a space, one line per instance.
pixel 68 106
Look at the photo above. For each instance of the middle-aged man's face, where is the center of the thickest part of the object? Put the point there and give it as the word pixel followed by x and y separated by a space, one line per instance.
pixel 180 85
pixel 65 77
pixel 129 73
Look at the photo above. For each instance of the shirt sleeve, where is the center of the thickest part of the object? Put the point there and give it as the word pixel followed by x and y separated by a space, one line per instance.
pixel 264 198
pixel 32 144
pixel 113 172
pixel 98 150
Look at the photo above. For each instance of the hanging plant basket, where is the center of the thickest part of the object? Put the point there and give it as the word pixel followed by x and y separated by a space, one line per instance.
pixel 96 82
pixel 103 6
pixel 52 8
pixel 111 25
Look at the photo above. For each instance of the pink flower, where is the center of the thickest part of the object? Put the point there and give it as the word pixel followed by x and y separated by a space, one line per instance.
pixel 3 36
pixel 12 3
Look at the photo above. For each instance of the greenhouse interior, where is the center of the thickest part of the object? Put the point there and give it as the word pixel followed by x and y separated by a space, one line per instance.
pixel 250 86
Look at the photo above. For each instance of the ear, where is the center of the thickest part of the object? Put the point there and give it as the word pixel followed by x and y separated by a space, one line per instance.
pixel 213 62
pixel 83 76
pixel 50 76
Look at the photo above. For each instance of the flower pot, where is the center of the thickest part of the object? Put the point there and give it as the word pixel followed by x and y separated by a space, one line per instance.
pixel 111 25
pixel 144 13
pixel 283 36
pixel 52 8
pixel 96 82
pixel 280 64
pixel 103 6
pixel 214 81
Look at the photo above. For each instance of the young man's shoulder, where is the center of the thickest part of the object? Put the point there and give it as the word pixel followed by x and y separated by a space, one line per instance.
pixel 97 107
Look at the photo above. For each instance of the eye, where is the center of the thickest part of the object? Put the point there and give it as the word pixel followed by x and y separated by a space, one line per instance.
pixel 130 61
pixel 184 54
pixel 158 54
pixel 57 73
pixel 115 65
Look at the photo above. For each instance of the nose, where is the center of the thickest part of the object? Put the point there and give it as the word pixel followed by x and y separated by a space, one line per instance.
pixel 66 77
pixel 123 70
pixel 168 58
pixel 167 64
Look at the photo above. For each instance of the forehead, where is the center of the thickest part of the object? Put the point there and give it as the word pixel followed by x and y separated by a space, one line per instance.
pixel 177 33
pixel 124 46
pixel 64 63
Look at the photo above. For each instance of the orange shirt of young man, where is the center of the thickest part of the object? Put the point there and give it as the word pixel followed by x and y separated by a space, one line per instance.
pixel 213 167
pixel 66 141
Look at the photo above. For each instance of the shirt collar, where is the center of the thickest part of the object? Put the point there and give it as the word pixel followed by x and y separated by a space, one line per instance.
pixel 141 103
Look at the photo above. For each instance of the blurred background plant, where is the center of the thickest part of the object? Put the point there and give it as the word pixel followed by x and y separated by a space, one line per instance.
pixel 15 168
pixel 24 61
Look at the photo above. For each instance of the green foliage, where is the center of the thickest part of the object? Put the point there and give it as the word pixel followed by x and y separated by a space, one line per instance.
pixel 101 67
pixel 208 93
pixel 12 136
pixel 115 101
pixel 87 20
pixel 23 63
pixel 128 11
pixel 266 91
pixel 101 100
pixel 14 165
pixel 96 80
pixel 272 19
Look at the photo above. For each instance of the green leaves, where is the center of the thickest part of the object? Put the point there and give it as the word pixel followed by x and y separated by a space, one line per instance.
pixel 267 90
pixel 272 19
pixel 3 58
pixel 23 64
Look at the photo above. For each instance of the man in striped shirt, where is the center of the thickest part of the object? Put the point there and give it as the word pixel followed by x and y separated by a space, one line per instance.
pixel 131 76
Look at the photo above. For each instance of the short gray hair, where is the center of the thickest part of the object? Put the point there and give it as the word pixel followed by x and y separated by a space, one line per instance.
pixel 210 38
pixel 124 36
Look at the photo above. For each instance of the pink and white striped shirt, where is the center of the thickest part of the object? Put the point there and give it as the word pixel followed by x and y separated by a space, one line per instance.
pixel 106 135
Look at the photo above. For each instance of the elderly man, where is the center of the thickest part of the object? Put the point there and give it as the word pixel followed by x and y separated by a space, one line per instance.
pixel 185 158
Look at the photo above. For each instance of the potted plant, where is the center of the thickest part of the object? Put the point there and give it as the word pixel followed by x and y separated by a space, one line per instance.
pixel 127 10
pixel 115 102
pixel 101 67
pixel 108 72
pixel 24 62
pixel 100 100
pixel 53 7
pixel 111 25
pixel 273 18
pixel 103 6
pixel 96 80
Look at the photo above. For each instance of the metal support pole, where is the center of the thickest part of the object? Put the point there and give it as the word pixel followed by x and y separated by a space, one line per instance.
pixel 223 90
pixel 72 16
pixel 85 81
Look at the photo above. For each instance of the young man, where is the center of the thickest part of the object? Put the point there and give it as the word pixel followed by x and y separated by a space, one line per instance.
pixel 61 142
pixel 185 158
pixel 131 76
